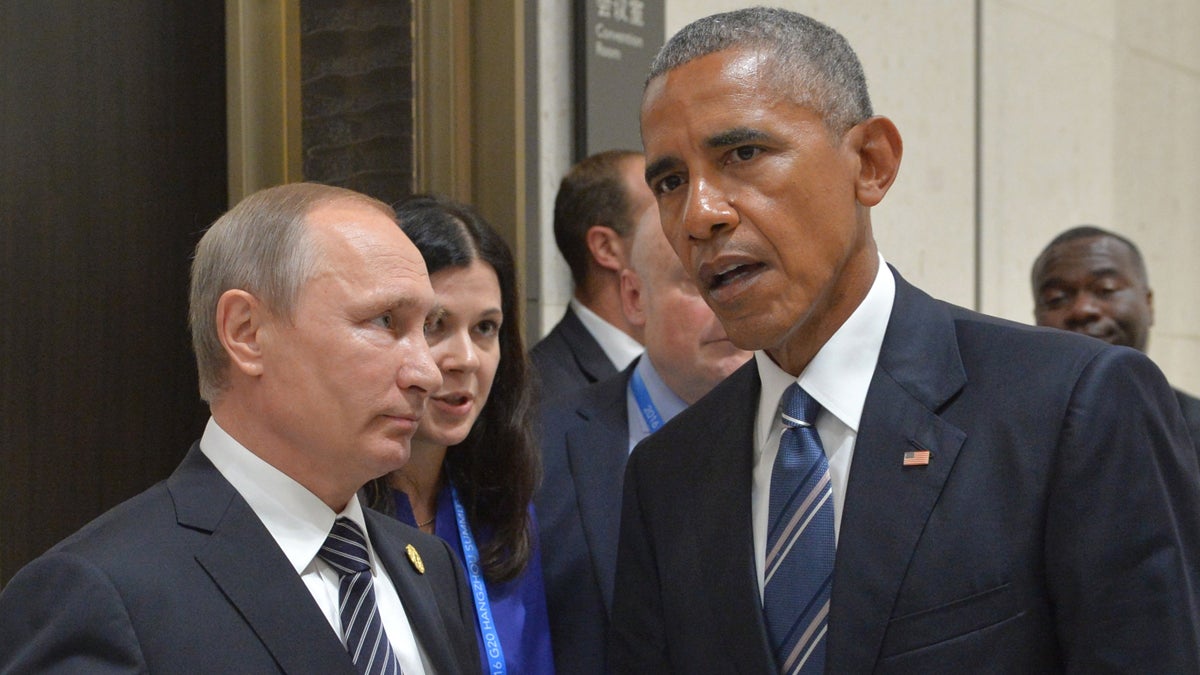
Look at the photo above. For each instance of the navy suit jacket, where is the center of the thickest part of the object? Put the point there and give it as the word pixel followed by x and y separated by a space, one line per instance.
pixel 568 359
pixel 1055 528
pixel 585 444
pixel 185 578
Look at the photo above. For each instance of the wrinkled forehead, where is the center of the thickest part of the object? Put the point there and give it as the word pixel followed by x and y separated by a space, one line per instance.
pixel 702 96
pixel 1089 256
pixel 357 239
pixel 740 64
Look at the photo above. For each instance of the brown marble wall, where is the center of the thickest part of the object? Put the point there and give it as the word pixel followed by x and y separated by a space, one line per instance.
pixel 357 95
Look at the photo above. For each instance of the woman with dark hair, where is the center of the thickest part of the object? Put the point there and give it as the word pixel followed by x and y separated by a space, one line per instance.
pixel 474 464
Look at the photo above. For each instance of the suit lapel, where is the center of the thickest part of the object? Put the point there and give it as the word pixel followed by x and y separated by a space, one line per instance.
pixel 587 352
pixel 596 456
pixel 723 520
pixel 420 603
pixel 888 504
pixel 251 571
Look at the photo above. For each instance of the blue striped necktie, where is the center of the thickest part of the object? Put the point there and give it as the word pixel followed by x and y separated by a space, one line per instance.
pixel 346 551
pixel 800 541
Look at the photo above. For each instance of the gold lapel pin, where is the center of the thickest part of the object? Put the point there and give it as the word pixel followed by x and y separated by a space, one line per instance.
pixel 415 559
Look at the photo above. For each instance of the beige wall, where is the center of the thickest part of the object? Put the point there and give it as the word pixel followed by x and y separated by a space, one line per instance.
pixel 555 130
pixel 1090 114
pixel 1087 113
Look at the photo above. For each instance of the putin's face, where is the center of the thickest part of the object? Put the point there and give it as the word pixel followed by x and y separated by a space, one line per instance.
pixel 345 378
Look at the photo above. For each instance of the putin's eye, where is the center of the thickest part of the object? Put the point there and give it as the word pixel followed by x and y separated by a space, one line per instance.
pixel 384 321
pixel 435 321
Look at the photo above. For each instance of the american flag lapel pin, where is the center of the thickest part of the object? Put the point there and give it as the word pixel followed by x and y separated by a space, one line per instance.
pixel 916 458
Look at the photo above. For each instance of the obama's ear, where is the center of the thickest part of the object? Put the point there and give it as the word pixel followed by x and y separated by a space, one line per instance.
pixel 877 143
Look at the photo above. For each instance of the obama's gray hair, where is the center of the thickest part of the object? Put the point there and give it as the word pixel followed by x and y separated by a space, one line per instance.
pixel 809 62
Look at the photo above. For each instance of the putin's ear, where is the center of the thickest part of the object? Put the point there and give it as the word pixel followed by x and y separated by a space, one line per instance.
pixel 239 322
pixel 607 247
pixel 632 300
pixel 879 148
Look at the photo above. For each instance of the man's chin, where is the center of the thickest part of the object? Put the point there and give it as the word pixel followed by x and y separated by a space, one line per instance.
pixel 393 456
pixel 748 335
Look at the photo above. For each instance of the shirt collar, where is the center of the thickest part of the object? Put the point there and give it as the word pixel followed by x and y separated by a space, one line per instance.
pixel 297 519
pixel 839 376
pixel 617 345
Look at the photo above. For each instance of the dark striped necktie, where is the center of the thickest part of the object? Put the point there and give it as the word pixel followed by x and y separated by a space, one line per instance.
pixel 800 541
pixel 346 551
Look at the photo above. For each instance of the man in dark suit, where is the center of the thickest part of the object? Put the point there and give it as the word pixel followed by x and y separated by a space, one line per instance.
pixel 943 491
pixel 598 202
pixel 1092 281
pixel 586 441
pixel 307 312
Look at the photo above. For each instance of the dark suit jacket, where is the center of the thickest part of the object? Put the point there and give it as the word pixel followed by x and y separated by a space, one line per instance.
pixel 1190 405
pixel 1055 528
pixel 185 578
pixel 568 359
pixel 585 444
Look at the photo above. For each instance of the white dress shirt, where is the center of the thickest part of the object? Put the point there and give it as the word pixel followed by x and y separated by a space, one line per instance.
pixel 616 343
pixel 300 522
pixel 838 378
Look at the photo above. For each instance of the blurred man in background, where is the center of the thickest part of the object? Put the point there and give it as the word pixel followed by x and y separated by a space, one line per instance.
pixel 1092 281
pixel 585 443
pixel 595 211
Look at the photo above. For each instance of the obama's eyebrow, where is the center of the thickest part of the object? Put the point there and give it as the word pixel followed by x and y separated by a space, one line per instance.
pixel 736 136
pixel 722 139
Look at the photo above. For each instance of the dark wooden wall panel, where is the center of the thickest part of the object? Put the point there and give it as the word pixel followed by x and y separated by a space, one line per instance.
pixel 112 161
pixel 357 95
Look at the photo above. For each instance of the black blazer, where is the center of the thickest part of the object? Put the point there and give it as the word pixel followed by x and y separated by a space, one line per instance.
pixel 585 444
pixel 185 578
pixel 568 359
pixel 1055 528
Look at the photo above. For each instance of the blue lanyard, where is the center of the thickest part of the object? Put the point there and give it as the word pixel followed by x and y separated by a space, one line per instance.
pixel 642 396
pixel 483 607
